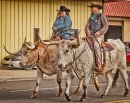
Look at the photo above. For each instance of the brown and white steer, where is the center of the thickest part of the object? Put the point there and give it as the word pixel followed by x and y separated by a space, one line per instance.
pixel 46 58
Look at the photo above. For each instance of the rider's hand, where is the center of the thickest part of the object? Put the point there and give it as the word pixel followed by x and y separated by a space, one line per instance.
pixel 88 33
pixel 58 37
pixel 97 34
pixel 54 28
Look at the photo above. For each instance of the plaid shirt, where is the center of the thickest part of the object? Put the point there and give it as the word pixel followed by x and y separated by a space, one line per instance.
pixel 103 30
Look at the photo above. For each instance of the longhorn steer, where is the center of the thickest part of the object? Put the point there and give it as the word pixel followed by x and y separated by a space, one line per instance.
pixel 46 58
pixel 85 62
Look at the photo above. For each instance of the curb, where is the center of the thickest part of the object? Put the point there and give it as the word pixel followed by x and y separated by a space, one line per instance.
pixel 34 78
pixel 27 78
pixel 17 79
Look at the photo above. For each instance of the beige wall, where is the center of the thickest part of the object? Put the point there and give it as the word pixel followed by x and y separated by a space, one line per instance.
pixel 19 17
pixel 126 26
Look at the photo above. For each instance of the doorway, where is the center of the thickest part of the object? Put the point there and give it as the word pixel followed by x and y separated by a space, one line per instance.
pixel 114 32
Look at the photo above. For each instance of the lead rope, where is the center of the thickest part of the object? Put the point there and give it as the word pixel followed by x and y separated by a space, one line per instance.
pixel 75 61
pixel 41 56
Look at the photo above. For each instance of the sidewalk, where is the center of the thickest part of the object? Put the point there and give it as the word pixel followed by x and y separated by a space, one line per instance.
pixel 7 74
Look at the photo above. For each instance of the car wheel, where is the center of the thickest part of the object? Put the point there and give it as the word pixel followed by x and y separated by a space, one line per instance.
pixel 28 68
pixel 128 64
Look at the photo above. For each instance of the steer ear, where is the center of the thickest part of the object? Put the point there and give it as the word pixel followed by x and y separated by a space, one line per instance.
pixel 75 46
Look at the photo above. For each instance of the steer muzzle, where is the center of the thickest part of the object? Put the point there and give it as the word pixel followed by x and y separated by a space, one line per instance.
pixel 61 67
pixel 22 64
pixel 65 68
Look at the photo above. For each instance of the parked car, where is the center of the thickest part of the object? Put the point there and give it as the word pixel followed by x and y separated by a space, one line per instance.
pixel 128 56
pixel 12 61
pixel 127 44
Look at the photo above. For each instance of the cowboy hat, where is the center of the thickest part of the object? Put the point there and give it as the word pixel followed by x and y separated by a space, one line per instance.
pixel 63 8
pixel 96 4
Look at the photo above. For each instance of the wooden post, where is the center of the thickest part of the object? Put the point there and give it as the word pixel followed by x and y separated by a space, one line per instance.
pixel 36 32
pixel 75 32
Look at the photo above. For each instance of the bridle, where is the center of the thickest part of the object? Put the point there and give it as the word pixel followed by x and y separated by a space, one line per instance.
pixel 75 59
pixel 39 55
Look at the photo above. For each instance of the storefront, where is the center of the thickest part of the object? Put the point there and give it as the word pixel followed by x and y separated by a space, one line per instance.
pixel 119 20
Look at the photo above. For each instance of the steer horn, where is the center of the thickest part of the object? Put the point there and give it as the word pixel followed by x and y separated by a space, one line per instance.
pixel 31 46
pixel 14 52
pixel 48 43
pixel 78 37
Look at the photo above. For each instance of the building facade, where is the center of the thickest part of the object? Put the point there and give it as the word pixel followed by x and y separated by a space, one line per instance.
pixel 118 14
pixel 19 17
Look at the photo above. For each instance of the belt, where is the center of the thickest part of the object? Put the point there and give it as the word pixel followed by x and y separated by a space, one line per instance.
pixel 64 31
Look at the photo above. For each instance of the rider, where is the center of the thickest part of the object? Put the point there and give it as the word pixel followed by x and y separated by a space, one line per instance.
pixel 62 25
pixel 96 27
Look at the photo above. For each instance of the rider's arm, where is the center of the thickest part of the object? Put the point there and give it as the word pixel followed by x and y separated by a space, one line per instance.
pixel 104 21
pixel 87 27
pixel 54 23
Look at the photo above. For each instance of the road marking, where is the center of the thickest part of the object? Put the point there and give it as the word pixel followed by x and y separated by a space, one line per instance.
pixel 50 88
pixel 121 101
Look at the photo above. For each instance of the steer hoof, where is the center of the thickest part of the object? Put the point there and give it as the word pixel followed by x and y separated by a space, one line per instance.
pixel 33 95
pixel 82 99
pixel 68 97
pixel 60 94
pixel 126 94
pixel 103 96
pixel 77 92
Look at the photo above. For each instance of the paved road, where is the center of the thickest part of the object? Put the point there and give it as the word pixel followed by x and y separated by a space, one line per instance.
pixel 19 92
pixel 8 74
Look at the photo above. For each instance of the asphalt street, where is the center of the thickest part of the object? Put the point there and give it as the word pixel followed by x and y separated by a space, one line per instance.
pixel 20 91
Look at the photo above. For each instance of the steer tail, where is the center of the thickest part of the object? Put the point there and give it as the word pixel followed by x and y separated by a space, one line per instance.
pixel 115 79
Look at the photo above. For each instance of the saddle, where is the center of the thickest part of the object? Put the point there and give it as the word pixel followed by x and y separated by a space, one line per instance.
pixel 55 38
pixel 104 46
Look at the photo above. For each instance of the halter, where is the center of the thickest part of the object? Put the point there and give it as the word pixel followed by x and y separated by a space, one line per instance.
pixel 41 56
pixel 75 59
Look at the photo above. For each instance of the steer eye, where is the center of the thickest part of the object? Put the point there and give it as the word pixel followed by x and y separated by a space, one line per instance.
pixel 25 52
pixel 66 51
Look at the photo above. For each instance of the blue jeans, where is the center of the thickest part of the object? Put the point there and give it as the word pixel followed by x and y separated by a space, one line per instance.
pixel 66 36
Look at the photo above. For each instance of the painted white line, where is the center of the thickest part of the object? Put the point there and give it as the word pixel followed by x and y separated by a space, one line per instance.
pixel 39 89
pixel 51 88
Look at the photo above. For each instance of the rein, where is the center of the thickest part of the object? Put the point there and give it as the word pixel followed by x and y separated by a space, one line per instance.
pixel 75 59
pixel 41 56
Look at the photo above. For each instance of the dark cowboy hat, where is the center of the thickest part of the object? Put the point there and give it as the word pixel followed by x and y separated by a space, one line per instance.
pixel 63 8
pixel 96 4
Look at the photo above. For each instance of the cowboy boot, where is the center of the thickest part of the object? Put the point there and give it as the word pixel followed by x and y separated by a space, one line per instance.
pixel 98 67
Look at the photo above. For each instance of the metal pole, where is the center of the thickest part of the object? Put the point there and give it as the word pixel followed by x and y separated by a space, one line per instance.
pixel 103 6
pixel 36 32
